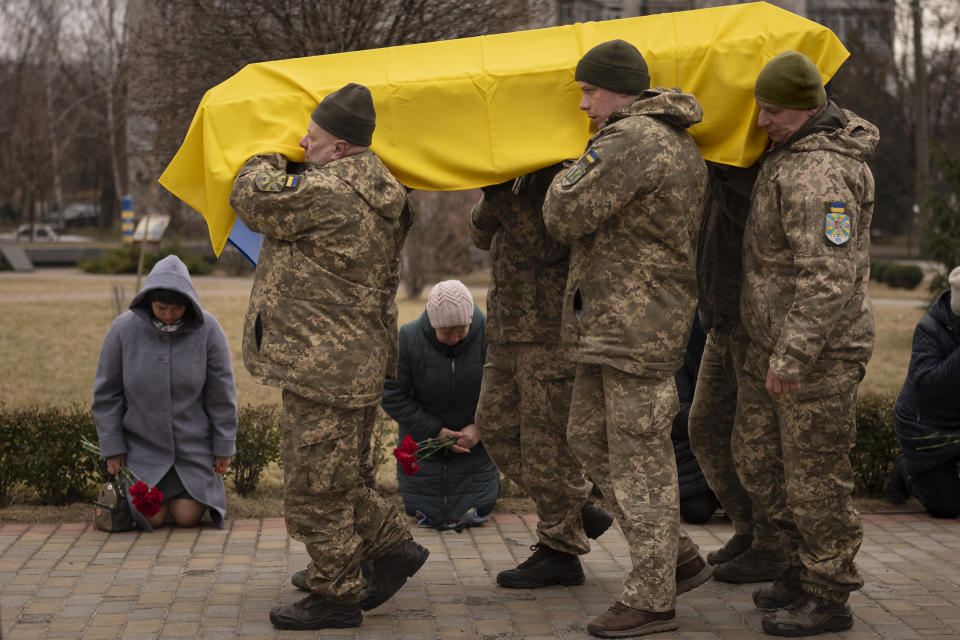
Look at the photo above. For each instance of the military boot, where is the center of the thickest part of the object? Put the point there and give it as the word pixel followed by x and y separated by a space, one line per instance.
pixel 390 572
pixel 314 612
pixel 782 593
pixel 691 574
pixel 299 580
pixel 809 616
pixel 734 547
pixel 753 565
pixel 621 621
pixel 897 490
pixel 544 568
pixel 595 520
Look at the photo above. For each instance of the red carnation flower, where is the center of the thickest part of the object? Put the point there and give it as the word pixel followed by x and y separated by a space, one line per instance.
pixel 145 500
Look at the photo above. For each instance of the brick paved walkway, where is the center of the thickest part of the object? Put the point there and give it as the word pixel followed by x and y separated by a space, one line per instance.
pixel 69 581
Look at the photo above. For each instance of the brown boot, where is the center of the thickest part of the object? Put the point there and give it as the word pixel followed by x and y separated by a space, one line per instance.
pixel 692 573
pixel 782 593
pixel 621 621
pixel 809 616
pixel 313 612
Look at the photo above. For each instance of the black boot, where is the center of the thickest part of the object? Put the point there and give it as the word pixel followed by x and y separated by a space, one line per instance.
pixel 753 565
pixel 897 490
pixel 734 547
pixel 313 612
pixel 808 617
pixel 390 572
pixel 595 520
pixel 299 580
pixel 782 593
pixel 544 568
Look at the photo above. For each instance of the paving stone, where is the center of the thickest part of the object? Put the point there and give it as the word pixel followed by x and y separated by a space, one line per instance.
pixel 73 582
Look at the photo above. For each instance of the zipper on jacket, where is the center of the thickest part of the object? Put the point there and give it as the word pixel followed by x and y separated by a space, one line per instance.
pixel 453 410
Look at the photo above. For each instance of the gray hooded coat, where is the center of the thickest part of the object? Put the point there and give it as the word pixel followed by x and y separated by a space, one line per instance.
pixel 168 399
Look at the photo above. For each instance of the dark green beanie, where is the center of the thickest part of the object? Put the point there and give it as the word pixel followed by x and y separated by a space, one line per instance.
pixel 615 65
pixel 348 114
pixel 790 80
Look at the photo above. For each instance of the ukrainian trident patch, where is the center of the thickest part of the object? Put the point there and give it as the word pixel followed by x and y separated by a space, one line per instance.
pixel 837 224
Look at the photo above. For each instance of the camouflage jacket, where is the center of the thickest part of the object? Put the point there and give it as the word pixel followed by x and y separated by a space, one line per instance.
pixel 630 206
pixel 528 268
pixel 806 249
pixel 322 314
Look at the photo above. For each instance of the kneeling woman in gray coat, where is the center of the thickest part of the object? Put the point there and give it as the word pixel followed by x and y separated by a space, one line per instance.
pixel 164 400
pixel 435 395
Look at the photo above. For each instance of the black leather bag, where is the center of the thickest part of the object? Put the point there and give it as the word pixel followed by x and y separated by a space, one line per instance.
pixel 112 512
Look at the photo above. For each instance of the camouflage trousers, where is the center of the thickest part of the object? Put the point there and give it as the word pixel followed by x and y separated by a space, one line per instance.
pixel 710 427
pixel 793 455
pixel 344 523
pixel 522 417
pixel 620 430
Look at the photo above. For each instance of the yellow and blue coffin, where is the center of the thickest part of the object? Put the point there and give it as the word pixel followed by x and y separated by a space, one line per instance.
pixel 459 114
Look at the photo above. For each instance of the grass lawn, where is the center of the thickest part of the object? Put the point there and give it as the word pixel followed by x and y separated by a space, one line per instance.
pixel 53 321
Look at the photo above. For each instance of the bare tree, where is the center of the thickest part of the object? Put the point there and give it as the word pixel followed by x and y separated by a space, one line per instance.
pixel 102 46
pixel 438 245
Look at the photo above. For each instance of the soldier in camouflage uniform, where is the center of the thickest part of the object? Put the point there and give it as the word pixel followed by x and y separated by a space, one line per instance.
pixel 806 308
pixel 754 553
pixel 321 325
pixel 630 207
pixel 525 394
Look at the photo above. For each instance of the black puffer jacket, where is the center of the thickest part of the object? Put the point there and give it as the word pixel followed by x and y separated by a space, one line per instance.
pixel 438 386
pixel 690 476
pixel 928 405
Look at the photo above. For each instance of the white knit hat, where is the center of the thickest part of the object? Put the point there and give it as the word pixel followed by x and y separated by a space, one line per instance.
pixel 954 281
pixel 449 305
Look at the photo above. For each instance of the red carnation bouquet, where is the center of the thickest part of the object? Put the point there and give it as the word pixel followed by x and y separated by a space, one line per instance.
pixel 409 453
pixel 144 499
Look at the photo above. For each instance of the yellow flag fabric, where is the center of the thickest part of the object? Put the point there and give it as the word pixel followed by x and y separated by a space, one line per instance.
pixel 464 113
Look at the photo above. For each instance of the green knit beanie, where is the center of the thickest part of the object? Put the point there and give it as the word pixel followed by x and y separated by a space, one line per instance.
pixel 615 65
pixel 790 80
pixel 348 114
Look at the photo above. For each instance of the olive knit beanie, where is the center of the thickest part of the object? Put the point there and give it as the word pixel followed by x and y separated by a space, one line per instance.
pixel 615 65
pixel 790 80
pixel 348 114
pixel 449 304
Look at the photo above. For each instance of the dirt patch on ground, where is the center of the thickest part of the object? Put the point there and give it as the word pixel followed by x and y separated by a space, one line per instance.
pixel 270 505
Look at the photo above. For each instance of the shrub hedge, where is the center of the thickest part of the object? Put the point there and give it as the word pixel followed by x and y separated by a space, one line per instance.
pixel 41 448
pixel 877 446
pixel 900 276
pixel 258 444
pixel 126 259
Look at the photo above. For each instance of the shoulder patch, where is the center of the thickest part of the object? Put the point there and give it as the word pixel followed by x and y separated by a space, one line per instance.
pixel 270 180
pixel 579 168
pixel 837 224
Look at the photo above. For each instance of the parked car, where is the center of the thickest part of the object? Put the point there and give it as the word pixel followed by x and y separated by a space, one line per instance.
pixel 44 233
pixel 41 233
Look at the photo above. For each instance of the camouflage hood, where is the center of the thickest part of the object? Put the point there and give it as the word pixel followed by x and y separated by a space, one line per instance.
pixel 838 130
pixel 669 105
pixel 362 173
